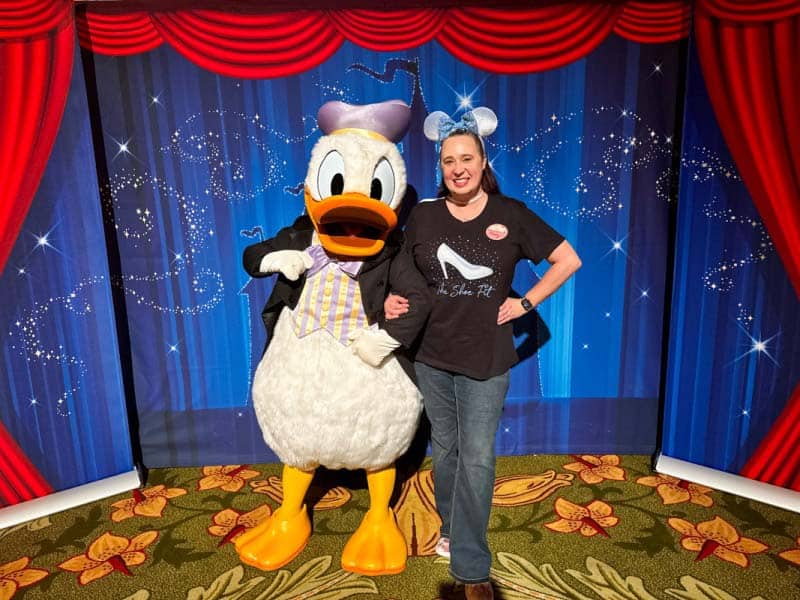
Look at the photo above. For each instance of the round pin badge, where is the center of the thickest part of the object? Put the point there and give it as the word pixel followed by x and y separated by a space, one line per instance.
pixel 496 231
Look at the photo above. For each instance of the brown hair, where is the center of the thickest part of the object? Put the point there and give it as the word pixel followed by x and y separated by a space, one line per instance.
pixel 488 180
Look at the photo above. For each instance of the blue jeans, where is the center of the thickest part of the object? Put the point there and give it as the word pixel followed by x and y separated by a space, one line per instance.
pixel 464 415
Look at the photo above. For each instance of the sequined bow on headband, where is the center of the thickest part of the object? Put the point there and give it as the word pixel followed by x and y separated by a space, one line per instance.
pixel 481 121
pixel 465 123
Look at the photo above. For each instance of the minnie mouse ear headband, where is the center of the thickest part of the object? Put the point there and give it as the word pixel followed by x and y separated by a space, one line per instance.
pixel 481 121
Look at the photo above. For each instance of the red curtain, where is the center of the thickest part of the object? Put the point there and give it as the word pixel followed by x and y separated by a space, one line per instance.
pixel 749 54
pixel 20 19
pixel 250 45
pixel 36 49
pixel 653 22
pixel 384 31
pixel 19 479
pixel 278 44
pixel 118 34
pixel 524 41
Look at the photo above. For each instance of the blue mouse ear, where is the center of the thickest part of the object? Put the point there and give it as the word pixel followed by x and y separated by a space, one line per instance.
pixel 431 127
pixel 485 119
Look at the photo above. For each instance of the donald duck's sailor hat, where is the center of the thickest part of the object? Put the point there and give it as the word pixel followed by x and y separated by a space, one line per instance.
pixel 389 120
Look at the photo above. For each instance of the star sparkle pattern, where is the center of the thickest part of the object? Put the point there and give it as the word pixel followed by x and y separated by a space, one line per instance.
pixel 721 277
pixel 129 193
pixel 336 89
pixel 744 316
pixel 43 244
pixel 206 284
pixel 594 191
pixel 122 147
pixel 42 241
pixel 128 190
pixel 130 201
pixel 757 346
pixel 27 339
pixel 617 246
pixel 464 99
pixel 111 196
pixel 224 151
pixel 155 100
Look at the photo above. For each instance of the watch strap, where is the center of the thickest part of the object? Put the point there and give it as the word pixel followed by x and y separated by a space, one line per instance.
pixel 526 304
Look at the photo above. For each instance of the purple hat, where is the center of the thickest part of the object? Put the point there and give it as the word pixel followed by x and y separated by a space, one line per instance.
pixel 389 119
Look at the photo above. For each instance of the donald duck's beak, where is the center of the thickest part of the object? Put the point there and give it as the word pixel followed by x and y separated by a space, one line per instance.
pixel 351 224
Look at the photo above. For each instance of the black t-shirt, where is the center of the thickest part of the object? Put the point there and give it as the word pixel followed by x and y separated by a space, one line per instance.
pixel 469 267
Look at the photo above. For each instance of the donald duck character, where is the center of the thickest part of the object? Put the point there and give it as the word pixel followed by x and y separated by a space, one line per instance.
pixel 328 391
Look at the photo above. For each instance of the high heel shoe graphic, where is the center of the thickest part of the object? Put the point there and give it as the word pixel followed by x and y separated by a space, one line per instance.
pixel 448 256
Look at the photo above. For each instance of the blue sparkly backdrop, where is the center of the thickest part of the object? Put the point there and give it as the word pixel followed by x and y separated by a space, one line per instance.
pixel 202 165
pixel 61 391
pixel 734 327
pixel 199 166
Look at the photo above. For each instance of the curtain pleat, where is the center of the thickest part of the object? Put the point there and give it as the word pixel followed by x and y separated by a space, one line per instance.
pixel 26 19
pixel 250 46
pixel 526 41
pixel 384 31
pixel 119 34
pixel 654 22
pixel 747 11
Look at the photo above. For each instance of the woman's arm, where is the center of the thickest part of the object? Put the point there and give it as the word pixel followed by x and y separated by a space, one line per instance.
pixel 373 346
pixel 564 261
pixel 410 294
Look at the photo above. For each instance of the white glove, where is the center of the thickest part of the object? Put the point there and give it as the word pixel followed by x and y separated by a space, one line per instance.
pixel 372 345
pixel 292 263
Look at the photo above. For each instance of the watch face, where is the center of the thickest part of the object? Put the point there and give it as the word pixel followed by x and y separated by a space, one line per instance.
pixel 526 304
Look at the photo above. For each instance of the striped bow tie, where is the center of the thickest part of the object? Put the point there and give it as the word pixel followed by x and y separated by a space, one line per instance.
pixel 322 258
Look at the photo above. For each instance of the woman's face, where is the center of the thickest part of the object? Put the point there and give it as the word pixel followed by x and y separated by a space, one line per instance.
pixel 462 165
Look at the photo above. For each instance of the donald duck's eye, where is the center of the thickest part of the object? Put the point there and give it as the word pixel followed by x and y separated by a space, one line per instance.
pixel 330 177
pixel 382 182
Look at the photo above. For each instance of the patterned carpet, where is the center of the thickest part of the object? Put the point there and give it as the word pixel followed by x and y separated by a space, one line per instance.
pixel 563 527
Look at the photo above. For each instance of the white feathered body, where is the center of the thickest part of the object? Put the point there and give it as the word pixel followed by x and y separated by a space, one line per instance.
pixel 317 403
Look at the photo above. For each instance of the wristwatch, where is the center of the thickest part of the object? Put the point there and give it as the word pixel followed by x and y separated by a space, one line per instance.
pixel 526 304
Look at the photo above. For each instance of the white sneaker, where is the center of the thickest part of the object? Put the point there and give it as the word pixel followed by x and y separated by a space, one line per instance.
pixel 443 547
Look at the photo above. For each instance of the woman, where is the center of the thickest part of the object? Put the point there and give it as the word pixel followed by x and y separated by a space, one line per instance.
pixel 466 245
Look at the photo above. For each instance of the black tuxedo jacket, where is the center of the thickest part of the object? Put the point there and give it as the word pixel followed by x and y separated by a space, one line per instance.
pixel 373 279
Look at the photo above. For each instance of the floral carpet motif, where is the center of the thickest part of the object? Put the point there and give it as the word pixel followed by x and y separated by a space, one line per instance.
pixel 562 528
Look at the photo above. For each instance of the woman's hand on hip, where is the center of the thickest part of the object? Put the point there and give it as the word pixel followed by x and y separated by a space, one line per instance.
pixel 510 310
pixel 394 306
